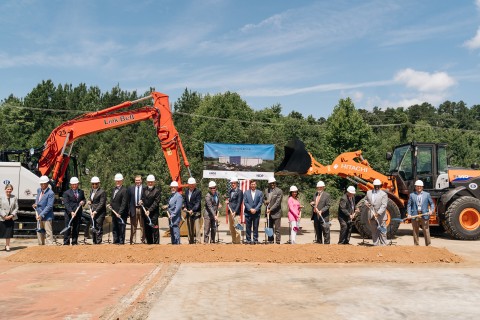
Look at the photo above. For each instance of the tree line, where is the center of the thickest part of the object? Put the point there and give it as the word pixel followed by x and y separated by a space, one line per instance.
pixel 26 122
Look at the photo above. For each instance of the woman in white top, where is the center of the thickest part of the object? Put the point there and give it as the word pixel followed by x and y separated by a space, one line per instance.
pixel 8 213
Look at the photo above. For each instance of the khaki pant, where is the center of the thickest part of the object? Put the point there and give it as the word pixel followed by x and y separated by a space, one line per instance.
pixel 193 226
pixel 136 222
pixel 48 235
pixel 234 232
pixel 416 224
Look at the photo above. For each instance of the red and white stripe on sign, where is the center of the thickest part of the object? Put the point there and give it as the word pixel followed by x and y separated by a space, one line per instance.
pixel 244 186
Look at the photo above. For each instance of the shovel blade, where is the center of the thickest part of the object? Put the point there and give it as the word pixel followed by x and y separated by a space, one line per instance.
pixel 239 227
pixel 269 232
pixel 64 230
pixel 151 225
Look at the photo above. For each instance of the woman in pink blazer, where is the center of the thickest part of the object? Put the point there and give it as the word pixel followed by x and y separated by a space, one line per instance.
pixel 294 208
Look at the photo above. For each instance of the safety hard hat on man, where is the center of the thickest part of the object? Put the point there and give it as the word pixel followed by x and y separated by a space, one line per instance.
pixel 212 184
pixel 377 182
pixel 271 180
pixel 174 184
pixel 150 178
pixel 43 179
pixel 234 179
pixel 419 183
pixel 351 189
pixel 191 180
pixel 74 180
pixel 118 177
pixel 95 180
pixel 320 184
pixel 293 189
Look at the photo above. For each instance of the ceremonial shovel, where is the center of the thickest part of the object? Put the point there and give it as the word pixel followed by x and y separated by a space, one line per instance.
pixel 69 223
pixel 150 224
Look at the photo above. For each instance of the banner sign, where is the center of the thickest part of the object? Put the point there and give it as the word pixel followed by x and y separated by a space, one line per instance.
pixel 244 161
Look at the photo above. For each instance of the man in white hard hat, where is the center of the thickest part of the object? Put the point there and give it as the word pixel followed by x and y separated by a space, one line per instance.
pixel 73 200
pixel 119 206
pixel 234 204
pixel 44 211
pixel 321 214
pixel 175 204
pixel 98 209
pixel 419 208
pixel 252 200
pixel 151 202
pixel 193 206
pixel 273 204
pixel 210 217
pixel 135 193
pixel 346 213
pixel 376 201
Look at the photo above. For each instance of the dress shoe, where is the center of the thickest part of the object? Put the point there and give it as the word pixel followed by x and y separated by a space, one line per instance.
pixel 7 248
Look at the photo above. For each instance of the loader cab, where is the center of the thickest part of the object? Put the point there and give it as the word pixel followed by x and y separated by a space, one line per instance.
pixel 419 161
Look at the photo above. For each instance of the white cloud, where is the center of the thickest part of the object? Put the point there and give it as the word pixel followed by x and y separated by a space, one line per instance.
pixel 473 43
pixel 424 81
pixel 477 3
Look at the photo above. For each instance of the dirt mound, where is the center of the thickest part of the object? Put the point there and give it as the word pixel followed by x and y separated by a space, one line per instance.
pixel 307 253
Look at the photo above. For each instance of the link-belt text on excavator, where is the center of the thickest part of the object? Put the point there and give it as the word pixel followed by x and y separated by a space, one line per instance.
pixel 119 119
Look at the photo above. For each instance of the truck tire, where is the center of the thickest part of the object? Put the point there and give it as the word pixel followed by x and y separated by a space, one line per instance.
pixel 361 221
pixel 462 219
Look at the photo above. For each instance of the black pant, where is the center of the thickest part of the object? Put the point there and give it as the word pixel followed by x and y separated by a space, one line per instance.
pixel 345 230
pixel 152 235
pixel 322 229
pixel 275 223
pixel 97 234
pixel 252 220
pixel 73 230
pixel 118 231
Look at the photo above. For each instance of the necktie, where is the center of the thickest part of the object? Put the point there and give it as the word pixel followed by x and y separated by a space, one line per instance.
pixel 40 197
pixel 115 192
pixel 75 193
pixel 138 195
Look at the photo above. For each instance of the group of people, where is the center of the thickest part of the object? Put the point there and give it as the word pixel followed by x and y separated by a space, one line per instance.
pixel 141 205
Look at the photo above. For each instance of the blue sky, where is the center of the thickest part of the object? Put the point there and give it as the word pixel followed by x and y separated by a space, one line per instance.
pixel 304 55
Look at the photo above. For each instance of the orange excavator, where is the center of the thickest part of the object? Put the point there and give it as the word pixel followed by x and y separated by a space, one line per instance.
pixel 455 191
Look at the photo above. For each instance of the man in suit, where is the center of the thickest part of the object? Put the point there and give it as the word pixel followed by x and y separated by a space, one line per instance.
pixel 73 198
pixel 252 200
pixel 135 194
pixel 234 204
pixel 193 206
pixel 118 205
pixel 419 207
pixel 321 213
pixel 210 217
pixel 151 201
pixel 273 203
pixel 44 211
pixel 376 201
pixel 174 207
pixel 346 212
pixel 98 209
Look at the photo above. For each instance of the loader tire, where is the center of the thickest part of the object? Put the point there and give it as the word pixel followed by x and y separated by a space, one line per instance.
pixel 462 219
pixel 361 221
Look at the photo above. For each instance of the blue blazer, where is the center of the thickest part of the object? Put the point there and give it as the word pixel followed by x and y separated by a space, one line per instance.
pixel 250 203
pixel 45 205
pixel 426 203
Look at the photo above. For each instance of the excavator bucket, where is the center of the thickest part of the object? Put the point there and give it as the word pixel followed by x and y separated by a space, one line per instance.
pixel 297 160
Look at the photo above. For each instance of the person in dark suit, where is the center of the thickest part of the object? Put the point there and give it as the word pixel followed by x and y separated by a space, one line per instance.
pixel 135 194
pixel 73 198
pixel 119 206
pixel 210 218
pixel 151 201
pixel 252 200
pixel 321 209
pixel 8 214
pixel 273 203
pixel 193 206
pixel 346 212
pixel 98 209
pixel 234 204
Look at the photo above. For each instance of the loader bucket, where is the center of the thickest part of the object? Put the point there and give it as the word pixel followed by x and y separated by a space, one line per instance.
pixel 296 161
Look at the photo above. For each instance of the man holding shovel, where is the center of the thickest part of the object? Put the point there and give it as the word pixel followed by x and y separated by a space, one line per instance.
pixel 193 206
pixel 73 199
pixel 234 206
pixel 273 203
pixel 420 206
pixel 150 203
pixel 98 209
pixel 376 201
pixel 321 214
pixel 119 207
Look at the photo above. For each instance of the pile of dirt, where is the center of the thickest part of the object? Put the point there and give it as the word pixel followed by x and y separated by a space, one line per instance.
pixel 306 253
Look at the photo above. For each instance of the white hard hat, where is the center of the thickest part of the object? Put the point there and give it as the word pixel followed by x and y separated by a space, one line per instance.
pixel 174 184
pixel 43 179
pixel 233 179
pixel 74 180
pixel 320 184
pixel 271 180
pixel 191 180
pixel 351 189
pixel 118 177
pixel 95 180
pixel 293 189
pixel 377 182
pixel 150 177
pixel 212 184
pixel 419 183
